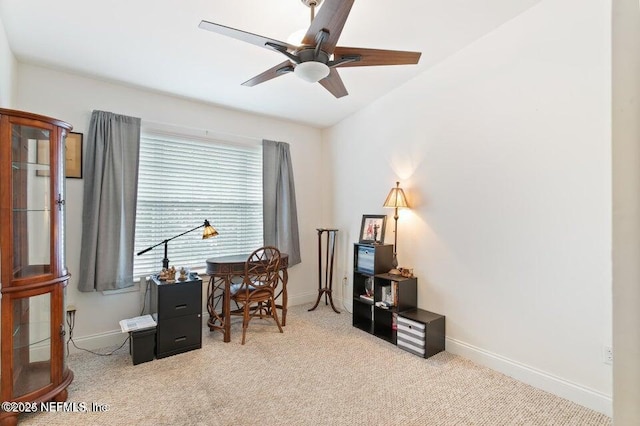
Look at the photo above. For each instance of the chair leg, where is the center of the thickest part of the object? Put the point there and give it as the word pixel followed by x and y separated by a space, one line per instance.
pixel 245 320
pixel 275 314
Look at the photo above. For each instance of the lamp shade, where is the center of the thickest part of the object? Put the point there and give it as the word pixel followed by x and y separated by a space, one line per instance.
pixel 311 71
pixel 396 198
pixel 209 231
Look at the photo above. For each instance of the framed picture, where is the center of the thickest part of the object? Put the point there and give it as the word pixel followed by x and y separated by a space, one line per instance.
pixel 372 228
pixel 72 153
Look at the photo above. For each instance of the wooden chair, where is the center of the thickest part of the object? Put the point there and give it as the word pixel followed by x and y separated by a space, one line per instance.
pixel 256 291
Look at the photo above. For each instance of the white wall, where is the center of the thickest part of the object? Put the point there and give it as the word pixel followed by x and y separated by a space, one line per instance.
pixel 8 71
pixel 72 98
pixel 626 212
pixel 504 151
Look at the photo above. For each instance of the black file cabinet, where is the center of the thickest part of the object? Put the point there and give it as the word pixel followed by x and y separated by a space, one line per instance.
pixel 177 309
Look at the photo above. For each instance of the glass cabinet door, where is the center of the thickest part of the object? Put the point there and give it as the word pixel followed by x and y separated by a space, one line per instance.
pixel 32 271
pixel 30 148
pixel 31 344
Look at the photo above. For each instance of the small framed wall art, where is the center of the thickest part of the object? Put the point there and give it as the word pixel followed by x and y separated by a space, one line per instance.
pixel 72 156
pixel 372 228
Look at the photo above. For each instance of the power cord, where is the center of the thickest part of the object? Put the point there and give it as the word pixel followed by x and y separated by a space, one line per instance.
pixel 71 322
pixel 144 301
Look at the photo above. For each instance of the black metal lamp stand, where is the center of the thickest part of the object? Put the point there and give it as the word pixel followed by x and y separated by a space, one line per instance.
pixel 209 231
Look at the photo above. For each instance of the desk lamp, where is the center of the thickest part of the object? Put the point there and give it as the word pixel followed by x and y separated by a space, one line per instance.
pixel 208 232
pixel 395 199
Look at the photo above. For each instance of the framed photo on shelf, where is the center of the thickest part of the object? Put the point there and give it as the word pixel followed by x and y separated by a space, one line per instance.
pixel 72 156
pixel 372 228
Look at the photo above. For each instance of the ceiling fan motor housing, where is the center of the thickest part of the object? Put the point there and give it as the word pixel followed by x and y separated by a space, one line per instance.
pixel 309 54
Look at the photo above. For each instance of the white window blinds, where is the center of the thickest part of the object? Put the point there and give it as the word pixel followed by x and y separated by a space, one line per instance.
pixel 183 182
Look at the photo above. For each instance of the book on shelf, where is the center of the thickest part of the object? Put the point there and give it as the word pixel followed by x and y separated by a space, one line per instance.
pixel 394 292
pixel 390 294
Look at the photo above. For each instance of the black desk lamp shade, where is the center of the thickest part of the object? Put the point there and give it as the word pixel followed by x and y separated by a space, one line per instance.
pixel 208 232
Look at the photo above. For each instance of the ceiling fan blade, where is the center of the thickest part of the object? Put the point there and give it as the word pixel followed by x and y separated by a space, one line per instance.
pixel 374 57
pixel 271 73
pixel 331 17
pixel 333 83
pixel 258 40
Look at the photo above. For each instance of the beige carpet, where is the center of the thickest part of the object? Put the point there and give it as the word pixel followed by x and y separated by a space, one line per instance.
pixel 321 371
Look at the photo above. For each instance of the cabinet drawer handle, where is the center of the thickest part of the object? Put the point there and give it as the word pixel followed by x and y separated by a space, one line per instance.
pixel 183 306
pixel 181 339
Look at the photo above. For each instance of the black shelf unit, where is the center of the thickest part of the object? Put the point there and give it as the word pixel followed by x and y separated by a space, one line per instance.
pixel 371 264
pixel 406 297
pixel 368 260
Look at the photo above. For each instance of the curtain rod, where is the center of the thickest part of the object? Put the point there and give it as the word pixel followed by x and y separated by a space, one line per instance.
pixel 183 131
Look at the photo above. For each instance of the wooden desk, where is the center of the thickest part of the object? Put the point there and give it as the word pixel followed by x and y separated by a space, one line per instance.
pixel 221 271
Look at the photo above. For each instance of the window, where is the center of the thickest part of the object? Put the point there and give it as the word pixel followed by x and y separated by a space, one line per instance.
pixel 183 182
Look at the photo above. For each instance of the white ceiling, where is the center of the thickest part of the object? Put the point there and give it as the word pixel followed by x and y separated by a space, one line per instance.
pixel 156 44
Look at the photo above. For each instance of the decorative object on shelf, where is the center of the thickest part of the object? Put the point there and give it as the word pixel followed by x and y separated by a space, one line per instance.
pixel 371 223
pixel 406 272
pixel 208 232
pixel 167 274
pixel 183 274
pixel 328 267
pixel 395 199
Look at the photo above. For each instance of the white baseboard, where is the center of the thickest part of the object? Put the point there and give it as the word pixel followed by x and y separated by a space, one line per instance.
pixel 582 395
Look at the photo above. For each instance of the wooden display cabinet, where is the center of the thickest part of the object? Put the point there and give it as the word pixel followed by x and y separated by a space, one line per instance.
pixel 33 274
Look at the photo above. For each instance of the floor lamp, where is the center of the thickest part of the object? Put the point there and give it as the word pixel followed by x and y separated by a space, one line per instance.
pixel 395 199
pixel 208 232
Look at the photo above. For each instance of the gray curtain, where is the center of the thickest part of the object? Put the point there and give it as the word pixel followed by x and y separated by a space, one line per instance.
pixel 110 195
pixel 279 200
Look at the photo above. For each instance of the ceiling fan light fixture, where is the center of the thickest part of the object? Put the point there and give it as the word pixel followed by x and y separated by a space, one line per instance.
pixel 312 71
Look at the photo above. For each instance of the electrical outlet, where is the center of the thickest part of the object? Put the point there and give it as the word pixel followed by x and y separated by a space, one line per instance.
pixel 71 308
pixel 607 353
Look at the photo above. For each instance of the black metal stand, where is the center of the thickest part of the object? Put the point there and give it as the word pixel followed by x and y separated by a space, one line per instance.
pixel 328 267
pixel 165 261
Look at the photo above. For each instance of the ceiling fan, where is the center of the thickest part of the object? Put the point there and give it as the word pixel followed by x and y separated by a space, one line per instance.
pixel 318 56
